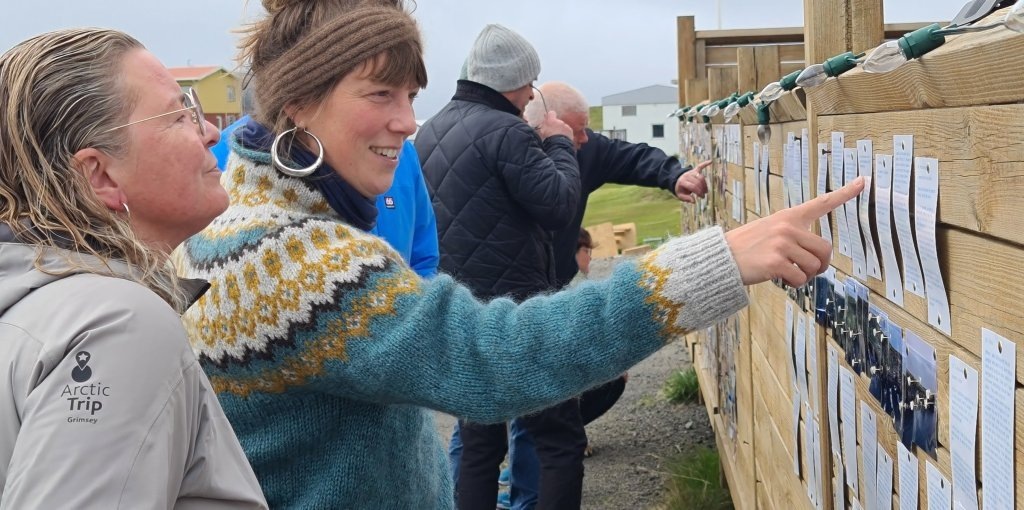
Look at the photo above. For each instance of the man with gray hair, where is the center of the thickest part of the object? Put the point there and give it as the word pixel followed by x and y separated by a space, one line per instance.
pixel 499 188
pixel 605 160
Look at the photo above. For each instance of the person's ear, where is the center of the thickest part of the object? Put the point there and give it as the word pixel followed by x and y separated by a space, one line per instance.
pixel 296 115
pixel 96 165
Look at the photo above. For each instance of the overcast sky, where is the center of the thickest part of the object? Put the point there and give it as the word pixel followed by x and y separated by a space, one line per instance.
pixel 602 47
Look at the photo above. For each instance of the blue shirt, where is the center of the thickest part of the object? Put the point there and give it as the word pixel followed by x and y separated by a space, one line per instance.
pixel 405 218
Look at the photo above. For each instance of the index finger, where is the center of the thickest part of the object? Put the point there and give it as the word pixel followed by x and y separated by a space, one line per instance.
pixel 701 166
pixel 824 204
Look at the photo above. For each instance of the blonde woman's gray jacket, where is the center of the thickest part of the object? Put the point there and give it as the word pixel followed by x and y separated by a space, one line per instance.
pixel 102 402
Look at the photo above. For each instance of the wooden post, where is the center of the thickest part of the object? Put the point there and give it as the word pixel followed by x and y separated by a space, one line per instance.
pixel 832 27
pixel 721 82
pixel 867 28
pixel 746 67
pixel 696 91
pixel 687 41
pixel 766 59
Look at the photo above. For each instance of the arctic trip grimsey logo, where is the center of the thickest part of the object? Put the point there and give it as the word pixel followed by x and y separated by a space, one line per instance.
pixel 82 372
pixel 84 397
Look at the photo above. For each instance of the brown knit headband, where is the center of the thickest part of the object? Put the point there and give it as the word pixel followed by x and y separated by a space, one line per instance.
pixel 323 56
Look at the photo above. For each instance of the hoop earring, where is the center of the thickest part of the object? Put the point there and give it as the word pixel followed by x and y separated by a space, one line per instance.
pixel 296 172
pixel 126 210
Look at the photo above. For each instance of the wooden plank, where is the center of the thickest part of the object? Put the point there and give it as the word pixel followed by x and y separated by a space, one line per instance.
pixel 790 107
pixel 604 240
pixel 981 159
pixel 746 69
pixel 783 486
pixel 720 55
pixel 970 69
pixel 696 91
pixel 761 494
pixel 625 235
pixel 787 34
pixel 752 36
pixel 825 29
pixel 792 53
pixel 866 26
pixel 636 251
pixel 701 67
pixel 788 67
pixel 741 488
pixel 721 82
pixel 686 40
pixel 766 60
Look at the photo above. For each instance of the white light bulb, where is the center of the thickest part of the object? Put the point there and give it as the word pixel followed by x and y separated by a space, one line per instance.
pixel 731 110
pixel 712 110
pixel 770 93
pixel 885 58
pixel 1015 17
pixel 812 76
pixel 692 112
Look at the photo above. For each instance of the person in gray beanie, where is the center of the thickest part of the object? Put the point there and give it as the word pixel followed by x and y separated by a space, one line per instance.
pixel 502 60
pixel 499 188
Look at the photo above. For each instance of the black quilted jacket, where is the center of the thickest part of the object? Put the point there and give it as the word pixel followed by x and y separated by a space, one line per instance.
pixel 498 192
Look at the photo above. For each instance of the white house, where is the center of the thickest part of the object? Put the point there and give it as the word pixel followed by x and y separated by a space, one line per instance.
pixel 641 116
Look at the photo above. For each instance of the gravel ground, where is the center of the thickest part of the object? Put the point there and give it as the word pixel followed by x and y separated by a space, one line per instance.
pixel 635 439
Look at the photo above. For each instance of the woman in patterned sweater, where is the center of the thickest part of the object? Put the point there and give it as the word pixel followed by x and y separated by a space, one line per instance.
pixel 328 353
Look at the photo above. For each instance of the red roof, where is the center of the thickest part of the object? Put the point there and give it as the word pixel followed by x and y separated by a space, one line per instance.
pixel 192 73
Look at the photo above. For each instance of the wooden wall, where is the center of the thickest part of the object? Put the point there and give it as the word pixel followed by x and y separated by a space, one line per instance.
pixel 962 104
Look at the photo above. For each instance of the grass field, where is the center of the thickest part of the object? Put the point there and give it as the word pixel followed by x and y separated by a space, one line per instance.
pixel 655 211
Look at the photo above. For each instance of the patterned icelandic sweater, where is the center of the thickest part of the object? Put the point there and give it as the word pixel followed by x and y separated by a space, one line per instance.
pixel 327 351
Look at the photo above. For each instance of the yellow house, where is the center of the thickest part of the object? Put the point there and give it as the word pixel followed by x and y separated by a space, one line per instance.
pixel 219 90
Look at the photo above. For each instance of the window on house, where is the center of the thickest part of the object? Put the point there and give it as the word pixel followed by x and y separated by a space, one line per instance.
pixel 658 131
pixel 231 93
pixel 616 134
pixel 629 111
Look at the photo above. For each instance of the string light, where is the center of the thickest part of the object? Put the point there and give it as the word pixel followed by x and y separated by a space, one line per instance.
pixel 817 74
pixel 776 89
pixel 893 54
pixel 735 106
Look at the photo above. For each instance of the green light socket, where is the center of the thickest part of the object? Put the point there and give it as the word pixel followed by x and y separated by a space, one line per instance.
pixel 788 82
pixel 763 116
pixel 921 41
pixel 839 64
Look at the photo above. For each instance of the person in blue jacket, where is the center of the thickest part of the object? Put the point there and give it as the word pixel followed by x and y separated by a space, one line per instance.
pixel 405 218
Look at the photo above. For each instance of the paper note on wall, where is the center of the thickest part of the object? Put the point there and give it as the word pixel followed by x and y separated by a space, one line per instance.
pixel 865 157
pixel 848 417
pixel 883 219
pixel 860 269
pixel 926 200
pixel 907 463
pixel 823 223
pixel 903 148
pixel 998 372
pixel 868 443
pixel 883 480
pixel 765 167
pixel 939 494
pixel 757 177
pixel 833 398
pixel 838 179
pixel 963 422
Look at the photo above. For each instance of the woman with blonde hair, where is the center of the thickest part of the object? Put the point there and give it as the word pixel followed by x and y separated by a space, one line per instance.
pixel 328 353
pixel 102 402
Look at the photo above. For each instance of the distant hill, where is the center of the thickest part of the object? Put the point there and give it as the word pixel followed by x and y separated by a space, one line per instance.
pixel 596 119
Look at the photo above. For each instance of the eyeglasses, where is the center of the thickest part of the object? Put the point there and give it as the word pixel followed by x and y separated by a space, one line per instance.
pixel 542 100
pixel 192 105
